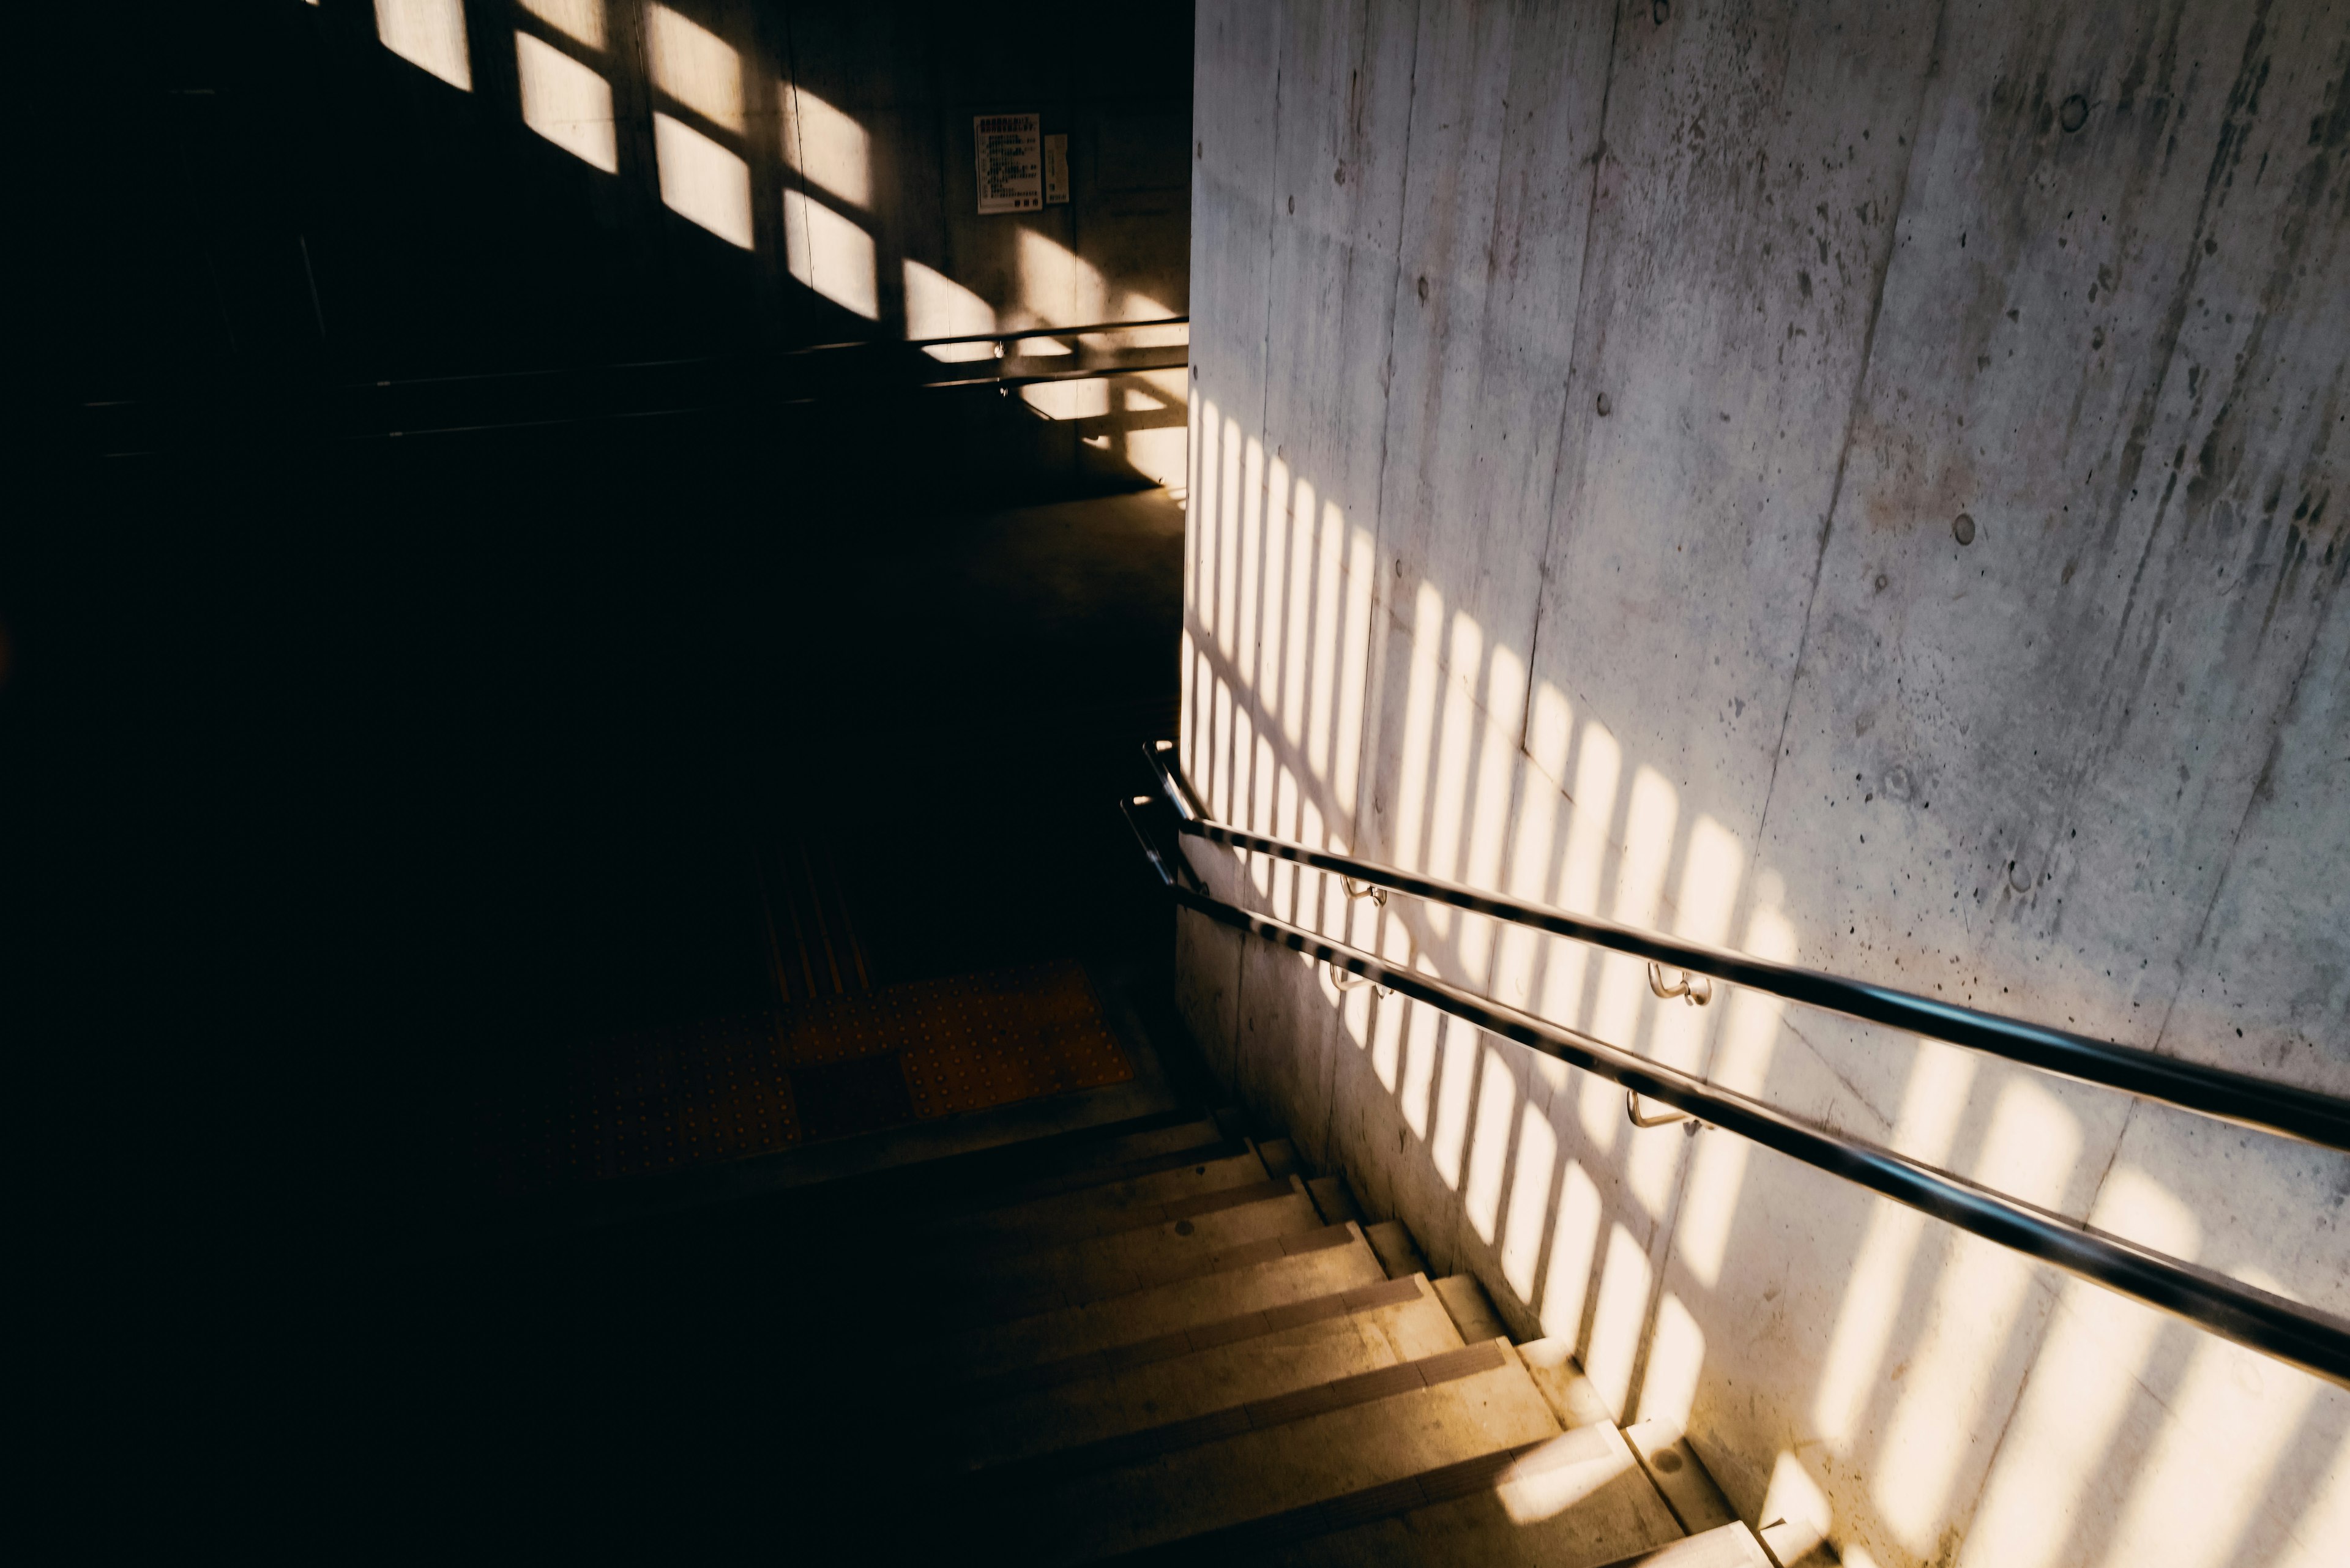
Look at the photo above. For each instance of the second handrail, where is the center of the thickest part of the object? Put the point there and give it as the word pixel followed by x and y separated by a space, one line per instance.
pixel 2216 1092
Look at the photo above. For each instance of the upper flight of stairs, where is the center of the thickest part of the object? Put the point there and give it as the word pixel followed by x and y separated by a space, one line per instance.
pixel 1165 1343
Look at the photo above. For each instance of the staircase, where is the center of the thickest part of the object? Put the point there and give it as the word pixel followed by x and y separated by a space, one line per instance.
pixel 1163 1342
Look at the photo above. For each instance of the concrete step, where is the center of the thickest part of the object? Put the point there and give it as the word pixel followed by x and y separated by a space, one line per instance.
pixel 1578 1500
pixel 1573 1398
pixel 1264 1274
pixel 1217 1367
pixel 1472 1309
pixel 1335 1199
pixel 1289 1464
pixel 1676 1471
pixel 1191 1232
pixel 1196 1132
pixel 1729 1545
pixel 1397 1250
pixel 1120 1201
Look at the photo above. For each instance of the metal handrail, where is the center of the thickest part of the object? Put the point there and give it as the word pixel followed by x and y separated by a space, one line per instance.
pixel 2216 1092
pixel 2313 1340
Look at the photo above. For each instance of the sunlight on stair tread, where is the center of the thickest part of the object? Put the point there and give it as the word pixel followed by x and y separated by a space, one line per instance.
pixel 1560 1473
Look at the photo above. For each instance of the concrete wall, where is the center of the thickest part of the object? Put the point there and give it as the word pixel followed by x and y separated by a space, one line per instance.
pixel 1865 484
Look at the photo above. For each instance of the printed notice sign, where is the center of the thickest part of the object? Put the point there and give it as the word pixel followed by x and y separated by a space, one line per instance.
pixel 1011 163
pixel 1057 168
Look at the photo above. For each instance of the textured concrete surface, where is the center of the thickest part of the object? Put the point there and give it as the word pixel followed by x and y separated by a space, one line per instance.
pixel 1860 484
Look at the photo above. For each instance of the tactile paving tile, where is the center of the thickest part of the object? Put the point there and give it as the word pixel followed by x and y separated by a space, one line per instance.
pixel 724 1088
pixel 1015 1034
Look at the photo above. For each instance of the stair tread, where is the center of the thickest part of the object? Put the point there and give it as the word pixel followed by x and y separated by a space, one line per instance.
pixel 1578 1500
pixel 1071 1213
pixel 1257 1473
pixel 1145 1252
pixel 1319 1263
pixel 1359 1331
pixel 1260 1414
pixel 1397 1250
pixel 1108 1284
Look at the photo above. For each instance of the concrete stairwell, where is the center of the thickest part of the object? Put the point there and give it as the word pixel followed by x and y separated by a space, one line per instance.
pixel 1174 1345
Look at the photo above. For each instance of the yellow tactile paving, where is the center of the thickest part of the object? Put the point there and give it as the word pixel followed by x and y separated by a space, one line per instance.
pixel 725 1088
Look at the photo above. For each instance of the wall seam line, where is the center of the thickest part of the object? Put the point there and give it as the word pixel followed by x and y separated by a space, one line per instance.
pixel 1566 408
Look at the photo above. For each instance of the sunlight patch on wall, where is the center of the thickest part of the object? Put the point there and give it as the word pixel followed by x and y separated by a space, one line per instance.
pixel 1713 863
pixel 1302 563
pixel 1939 1083
pixel 1795 1500
pixel 1386 1044
pixel 1068 400
pixel 1455 751
pixel 1549 723
pixel 1489 1148
pixel 1521 1237
pixel 2231 1420
pixel 1676 1358
pixel 695 66
pixel 1057 288
pixel 1266 677
pixel 1574 1241
pixel 2083 1384
pixel 1416 1093
pixel 1419 726
pixel 1589 809
pixel 1135 306
pixel 831 254
pixel 1451 1139
pixel 939 307
pixel 566 103
pixel 1245 799
pixel 429 34
pixel 827 147
pixel 579 20
pixel 1329 574
pixel 701 181
pixel 1346 761
pixel 1648 827
pixel 1617 1325
pixel 1750 1033
pixel 2028 1152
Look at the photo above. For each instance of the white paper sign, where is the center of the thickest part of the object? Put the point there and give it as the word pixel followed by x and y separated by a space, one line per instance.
pixel 1057 168
pixel 1011 163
